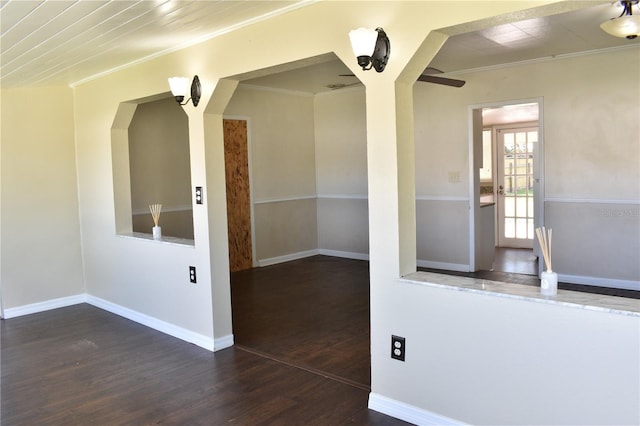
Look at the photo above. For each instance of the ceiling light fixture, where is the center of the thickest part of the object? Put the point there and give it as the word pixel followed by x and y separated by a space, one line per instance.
pixel 627 25
pixel 371 47
pixel 179 87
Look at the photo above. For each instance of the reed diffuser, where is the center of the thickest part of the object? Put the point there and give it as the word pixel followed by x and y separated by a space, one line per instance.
pixel 155 214
pixel 548 278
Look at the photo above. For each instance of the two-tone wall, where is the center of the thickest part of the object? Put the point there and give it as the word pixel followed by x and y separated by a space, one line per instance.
pixel 282 170
pixel 448 335
pixel 591 161
pixel 592 196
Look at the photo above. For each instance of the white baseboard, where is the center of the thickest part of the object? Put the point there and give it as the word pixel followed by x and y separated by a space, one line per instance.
pixel 600 282
pixel 47 305
pixel 223 342
pixel 162 326
pixel 315 252
pixel 408 413
pixel 344 254
pixel 443 265
pixel 288 257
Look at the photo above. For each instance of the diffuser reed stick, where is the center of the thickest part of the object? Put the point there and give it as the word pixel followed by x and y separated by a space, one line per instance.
pixel 544 238
pixel 155 212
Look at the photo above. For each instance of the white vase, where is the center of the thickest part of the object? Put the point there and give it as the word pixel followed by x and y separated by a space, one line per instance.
pixel 157 233
pixel 548 283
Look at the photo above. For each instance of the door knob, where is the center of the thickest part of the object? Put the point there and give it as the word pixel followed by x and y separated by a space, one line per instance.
pixel 501 190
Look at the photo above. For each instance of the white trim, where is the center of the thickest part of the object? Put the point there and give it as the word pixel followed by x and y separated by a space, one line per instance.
pixel 441 198
pixel 600 282
pixel 344 254
pixel 177 208
pixel 47 305
pixel 223 342
pixel 408 413
pixel 159 325
pixel 590 201
pixel 285 199
pixel 343 196
pixel 443 265
pixel 287 257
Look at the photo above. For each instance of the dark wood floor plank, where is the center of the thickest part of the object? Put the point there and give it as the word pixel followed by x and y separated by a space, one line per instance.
pixel 312 312
pixel 304 327
pixel 81 365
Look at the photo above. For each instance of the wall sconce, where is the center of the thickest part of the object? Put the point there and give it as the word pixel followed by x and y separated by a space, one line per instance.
pixel 371 47
pixel 627 25
pixel 179 86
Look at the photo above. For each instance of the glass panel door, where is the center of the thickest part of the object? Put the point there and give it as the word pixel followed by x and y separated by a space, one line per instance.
pixel 515 186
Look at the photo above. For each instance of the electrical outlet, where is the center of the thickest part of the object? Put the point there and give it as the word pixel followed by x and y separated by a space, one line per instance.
pixel 192 274
pixel 397 348
pixel 199 197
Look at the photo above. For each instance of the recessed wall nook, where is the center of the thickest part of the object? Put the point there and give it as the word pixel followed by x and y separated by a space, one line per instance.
pixel 150 149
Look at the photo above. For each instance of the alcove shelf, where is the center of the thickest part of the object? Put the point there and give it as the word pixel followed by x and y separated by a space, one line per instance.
pixel 164 240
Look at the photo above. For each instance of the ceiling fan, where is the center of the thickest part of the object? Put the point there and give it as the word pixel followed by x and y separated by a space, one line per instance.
pixel 428 76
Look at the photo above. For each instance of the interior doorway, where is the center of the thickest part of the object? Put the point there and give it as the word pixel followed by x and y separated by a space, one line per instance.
pixel 507 173
pixel 515 207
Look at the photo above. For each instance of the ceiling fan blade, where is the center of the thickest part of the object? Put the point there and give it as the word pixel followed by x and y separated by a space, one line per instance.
pixel 441 80
pixel 337 86
pixel 431 78
pixel 432 70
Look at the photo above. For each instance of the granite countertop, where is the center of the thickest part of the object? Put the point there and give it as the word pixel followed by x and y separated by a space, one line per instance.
pixel 574 299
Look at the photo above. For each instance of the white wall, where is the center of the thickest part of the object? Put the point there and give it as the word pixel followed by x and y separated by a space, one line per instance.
pixel 133 275
pixel 40 227
pixel 483 359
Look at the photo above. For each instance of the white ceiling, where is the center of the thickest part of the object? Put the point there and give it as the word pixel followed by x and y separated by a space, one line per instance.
pixel 568 33
pixel 67 42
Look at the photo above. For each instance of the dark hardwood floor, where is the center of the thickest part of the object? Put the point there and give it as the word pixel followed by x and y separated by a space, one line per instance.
pixel 81 365
pixel 312 313
pixel 302 357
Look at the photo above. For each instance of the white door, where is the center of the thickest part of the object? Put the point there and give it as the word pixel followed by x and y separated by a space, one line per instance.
pixel 516 186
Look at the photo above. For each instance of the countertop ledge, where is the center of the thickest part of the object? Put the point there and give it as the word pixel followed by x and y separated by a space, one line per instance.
pixel 573 299
pixel 165 240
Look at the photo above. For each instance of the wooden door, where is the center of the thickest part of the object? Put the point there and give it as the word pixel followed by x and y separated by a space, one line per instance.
pixel 236 158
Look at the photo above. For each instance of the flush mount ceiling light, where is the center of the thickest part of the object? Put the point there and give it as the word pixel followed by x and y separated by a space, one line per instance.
pixel 371 47
pixel 179 87
pixel 627 25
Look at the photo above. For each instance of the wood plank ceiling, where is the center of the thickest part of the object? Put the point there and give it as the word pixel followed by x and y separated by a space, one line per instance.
pixel 66 42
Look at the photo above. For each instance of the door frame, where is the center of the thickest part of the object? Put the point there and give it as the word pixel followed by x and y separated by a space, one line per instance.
pixel 498 150
pixel 254 261
pixel 475 149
